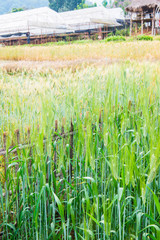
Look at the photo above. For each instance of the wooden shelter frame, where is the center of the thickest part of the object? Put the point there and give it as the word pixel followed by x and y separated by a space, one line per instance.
pixel 145 15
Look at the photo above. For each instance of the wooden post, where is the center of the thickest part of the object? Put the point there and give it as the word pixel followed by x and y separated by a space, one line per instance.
pixel 153 22
pixel 100 34
pixel 17 142
pixel 4 140
pixel 100 121
pixel 63 122
pixel 28 134
pixel 106 30
pixel 136 29
pixel 55 153
pixel 4 146
pixel 30 151
pixel 71 152
pixel 17 136
pixel 142 22
pixel 131 21
pixel 17 132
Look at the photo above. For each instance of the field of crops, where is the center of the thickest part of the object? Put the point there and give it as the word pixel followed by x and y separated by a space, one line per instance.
pixel 95 175
pixel 147 50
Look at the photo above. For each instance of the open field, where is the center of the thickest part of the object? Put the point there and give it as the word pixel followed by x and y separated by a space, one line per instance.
pixel 40 66
pixel 142 50
pixel 96 175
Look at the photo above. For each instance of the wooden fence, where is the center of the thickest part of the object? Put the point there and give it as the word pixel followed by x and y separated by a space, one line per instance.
pixel 5 152
pixel 16 148
pixel 52 38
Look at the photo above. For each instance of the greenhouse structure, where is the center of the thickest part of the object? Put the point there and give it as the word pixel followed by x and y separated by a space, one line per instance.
pixel 36 22
pixel 44 25
pixel 93 18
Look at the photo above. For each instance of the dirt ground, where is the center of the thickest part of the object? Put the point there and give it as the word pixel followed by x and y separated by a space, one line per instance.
pixel 37 65
pixel 14 66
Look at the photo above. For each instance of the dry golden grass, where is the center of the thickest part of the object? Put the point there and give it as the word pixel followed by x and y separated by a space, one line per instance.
pixel 96 50
pixel 40 66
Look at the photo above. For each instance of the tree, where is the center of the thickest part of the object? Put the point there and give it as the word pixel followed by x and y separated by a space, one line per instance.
pixel 105 3
pixel 17 10
pixel 56 4
pixel 121 3
pixel 83 5
pixel 61 5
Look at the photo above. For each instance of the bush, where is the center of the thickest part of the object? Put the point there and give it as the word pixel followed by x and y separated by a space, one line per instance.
pixel 110 34
pixel 144 38
pixel 131 39
pixel 122 32
pixel 115 39
pixel 83 41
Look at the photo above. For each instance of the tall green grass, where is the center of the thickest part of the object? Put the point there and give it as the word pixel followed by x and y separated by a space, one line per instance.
pixel 115 187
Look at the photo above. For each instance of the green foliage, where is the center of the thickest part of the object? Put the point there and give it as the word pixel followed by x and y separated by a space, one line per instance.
pixel 122 32
pixel 115 187
pixel 105 3
pixel 84 5
pixel 121 3
pixel 144 38
pixel 110 34
pixel 56 5
pixel 64 5
pixel 115 39
pixel 61 43
pixel 17 9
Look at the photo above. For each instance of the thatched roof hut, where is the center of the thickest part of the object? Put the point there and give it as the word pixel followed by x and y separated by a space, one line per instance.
pixel 139 5
pixel 146 12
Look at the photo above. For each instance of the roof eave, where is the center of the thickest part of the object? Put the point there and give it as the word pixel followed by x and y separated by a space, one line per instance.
pixel 131 7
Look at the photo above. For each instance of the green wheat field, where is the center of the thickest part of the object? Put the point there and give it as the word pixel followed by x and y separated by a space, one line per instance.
pixel 102 180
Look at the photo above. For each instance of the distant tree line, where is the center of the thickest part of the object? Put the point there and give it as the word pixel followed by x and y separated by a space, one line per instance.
pixel 57 5
pixel 17 10
pixel 121 3
pixel 67 5
pixel 84 5
pixel 63 5
pixel 6 6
